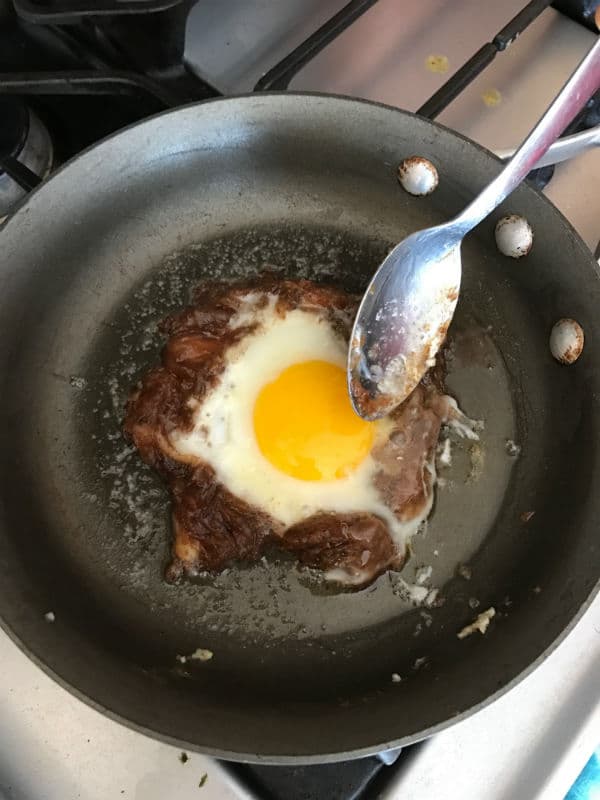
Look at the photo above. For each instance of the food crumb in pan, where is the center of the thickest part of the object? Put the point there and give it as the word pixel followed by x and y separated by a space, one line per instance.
pixel 432 598
pixel 427 618
pixel 526 516
pixel 49 616
pixel 202 780
pixel 183 757
pixel 418 594
pixel 412 592
pixel 464 426
pixel 420 662
pixel 480 624
pixel 77 382
pixel 537 589
pixel 201 654
pixel 477 460
pixel 474 603
pixel 445 453
pixel 465 571
pixel 512 448
pixel 423 574
pixel 396 678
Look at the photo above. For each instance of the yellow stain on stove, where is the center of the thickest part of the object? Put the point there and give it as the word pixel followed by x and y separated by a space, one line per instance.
pixel 491 98
pixel 437 63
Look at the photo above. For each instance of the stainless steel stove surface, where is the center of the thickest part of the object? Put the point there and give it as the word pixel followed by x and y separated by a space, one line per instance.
pixel 385 54
pixel 532 742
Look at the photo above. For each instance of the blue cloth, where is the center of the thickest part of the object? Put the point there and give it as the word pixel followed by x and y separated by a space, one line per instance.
pixel 587 785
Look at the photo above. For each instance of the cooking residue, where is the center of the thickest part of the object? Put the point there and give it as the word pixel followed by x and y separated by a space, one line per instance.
pixel 491 98
pixel 512 448
pixel 437 63
pixel 200 654
pixel 480 624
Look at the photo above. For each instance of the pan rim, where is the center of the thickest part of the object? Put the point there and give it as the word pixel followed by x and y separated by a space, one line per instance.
pixel 290 758
pixel 247 96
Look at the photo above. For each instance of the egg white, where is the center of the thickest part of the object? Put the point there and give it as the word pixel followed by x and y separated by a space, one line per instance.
pixel 223 433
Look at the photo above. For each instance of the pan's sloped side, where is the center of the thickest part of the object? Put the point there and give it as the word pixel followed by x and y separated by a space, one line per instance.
pixel 112 242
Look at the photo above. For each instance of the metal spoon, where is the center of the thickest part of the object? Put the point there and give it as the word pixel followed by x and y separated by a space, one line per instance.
pixel 406 311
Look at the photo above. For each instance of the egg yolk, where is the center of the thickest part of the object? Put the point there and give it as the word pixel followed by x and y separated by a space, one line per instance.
pixel 305 425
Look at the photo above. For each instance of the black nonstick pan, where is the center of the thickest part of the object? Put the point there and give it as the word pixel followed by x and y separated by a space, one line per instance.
pixel 306 183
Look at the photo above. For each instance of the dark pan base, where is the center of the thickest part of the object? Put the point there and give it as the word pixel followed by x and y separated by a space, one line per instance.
pixel 305 184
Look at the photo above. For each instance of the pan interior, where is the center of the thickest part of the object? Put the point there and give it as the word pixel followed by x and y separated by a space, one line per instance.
pixel 263 604
pixel 95 518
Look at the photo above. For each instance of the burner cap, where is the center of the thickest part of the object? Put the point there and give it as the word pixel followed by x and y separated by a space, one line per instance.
pixel 15 126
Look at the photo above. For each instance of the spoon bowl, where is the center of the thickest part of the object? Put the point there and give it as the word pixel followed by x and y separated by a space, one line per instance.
pixel 403 318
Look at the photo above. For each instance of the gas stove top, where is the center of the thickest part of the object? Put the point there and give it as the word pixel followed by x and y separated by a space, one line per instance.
pixel 72 73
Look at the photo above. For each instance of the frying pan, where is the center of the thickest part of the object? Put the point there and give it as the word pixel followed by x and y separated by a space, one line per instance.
pixel 306 183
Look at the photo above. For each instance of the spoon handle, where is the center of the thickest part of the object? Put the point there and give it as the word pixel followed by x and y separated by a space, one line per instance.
pixel 564 148
pixel 582 84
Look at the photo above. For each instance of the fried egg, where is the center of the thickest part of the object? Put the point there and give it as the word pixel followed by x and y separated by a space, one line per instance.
pixel 248 421
pixel 278 427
